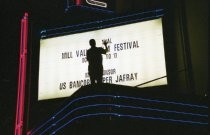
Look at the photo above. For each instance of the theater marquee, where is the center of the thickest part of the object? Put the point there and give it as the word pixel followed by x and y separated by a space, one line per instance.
pixel 136 55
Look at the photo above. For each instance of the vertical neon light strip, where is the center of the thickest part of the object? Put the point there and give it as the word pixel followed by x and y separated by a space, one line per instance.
pixel 22 76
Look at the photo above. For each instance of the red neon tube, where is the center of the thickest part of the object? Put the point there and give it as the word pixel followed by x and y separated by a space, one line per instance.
pixel 78 2
pixel 19 123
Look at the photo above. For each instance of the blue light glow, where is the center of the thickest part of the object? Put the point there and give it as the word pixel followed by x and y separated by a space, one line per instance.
pixel 99 27
pixel 105 20
pixel 166 102
pixel 130 107
pixel 157 13
pixel 125 106
pixel 128 116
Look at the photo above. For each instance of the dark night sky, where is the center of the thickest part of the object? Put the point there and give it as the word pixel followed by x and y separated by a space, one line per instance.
pixel 9 54
pixel 11 13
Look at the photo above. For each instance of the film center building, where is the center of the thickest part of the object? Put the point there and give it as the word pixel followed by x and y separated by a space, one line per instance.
pixel 153 62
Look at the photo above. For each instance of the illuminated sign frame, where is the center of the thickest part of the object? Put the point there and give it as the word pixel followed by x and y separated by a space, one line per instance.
pixel 131 18
pixel 53 32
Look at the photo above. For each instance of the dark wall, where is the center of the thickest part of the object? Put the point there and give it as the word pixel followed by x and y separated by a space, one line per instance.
pixel 197 14
pixel 191 46
pixel 186 40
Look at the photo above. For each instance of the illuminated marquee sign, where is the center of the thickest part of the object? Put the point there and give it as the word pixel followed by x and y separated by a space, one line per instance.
pixel 136 55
